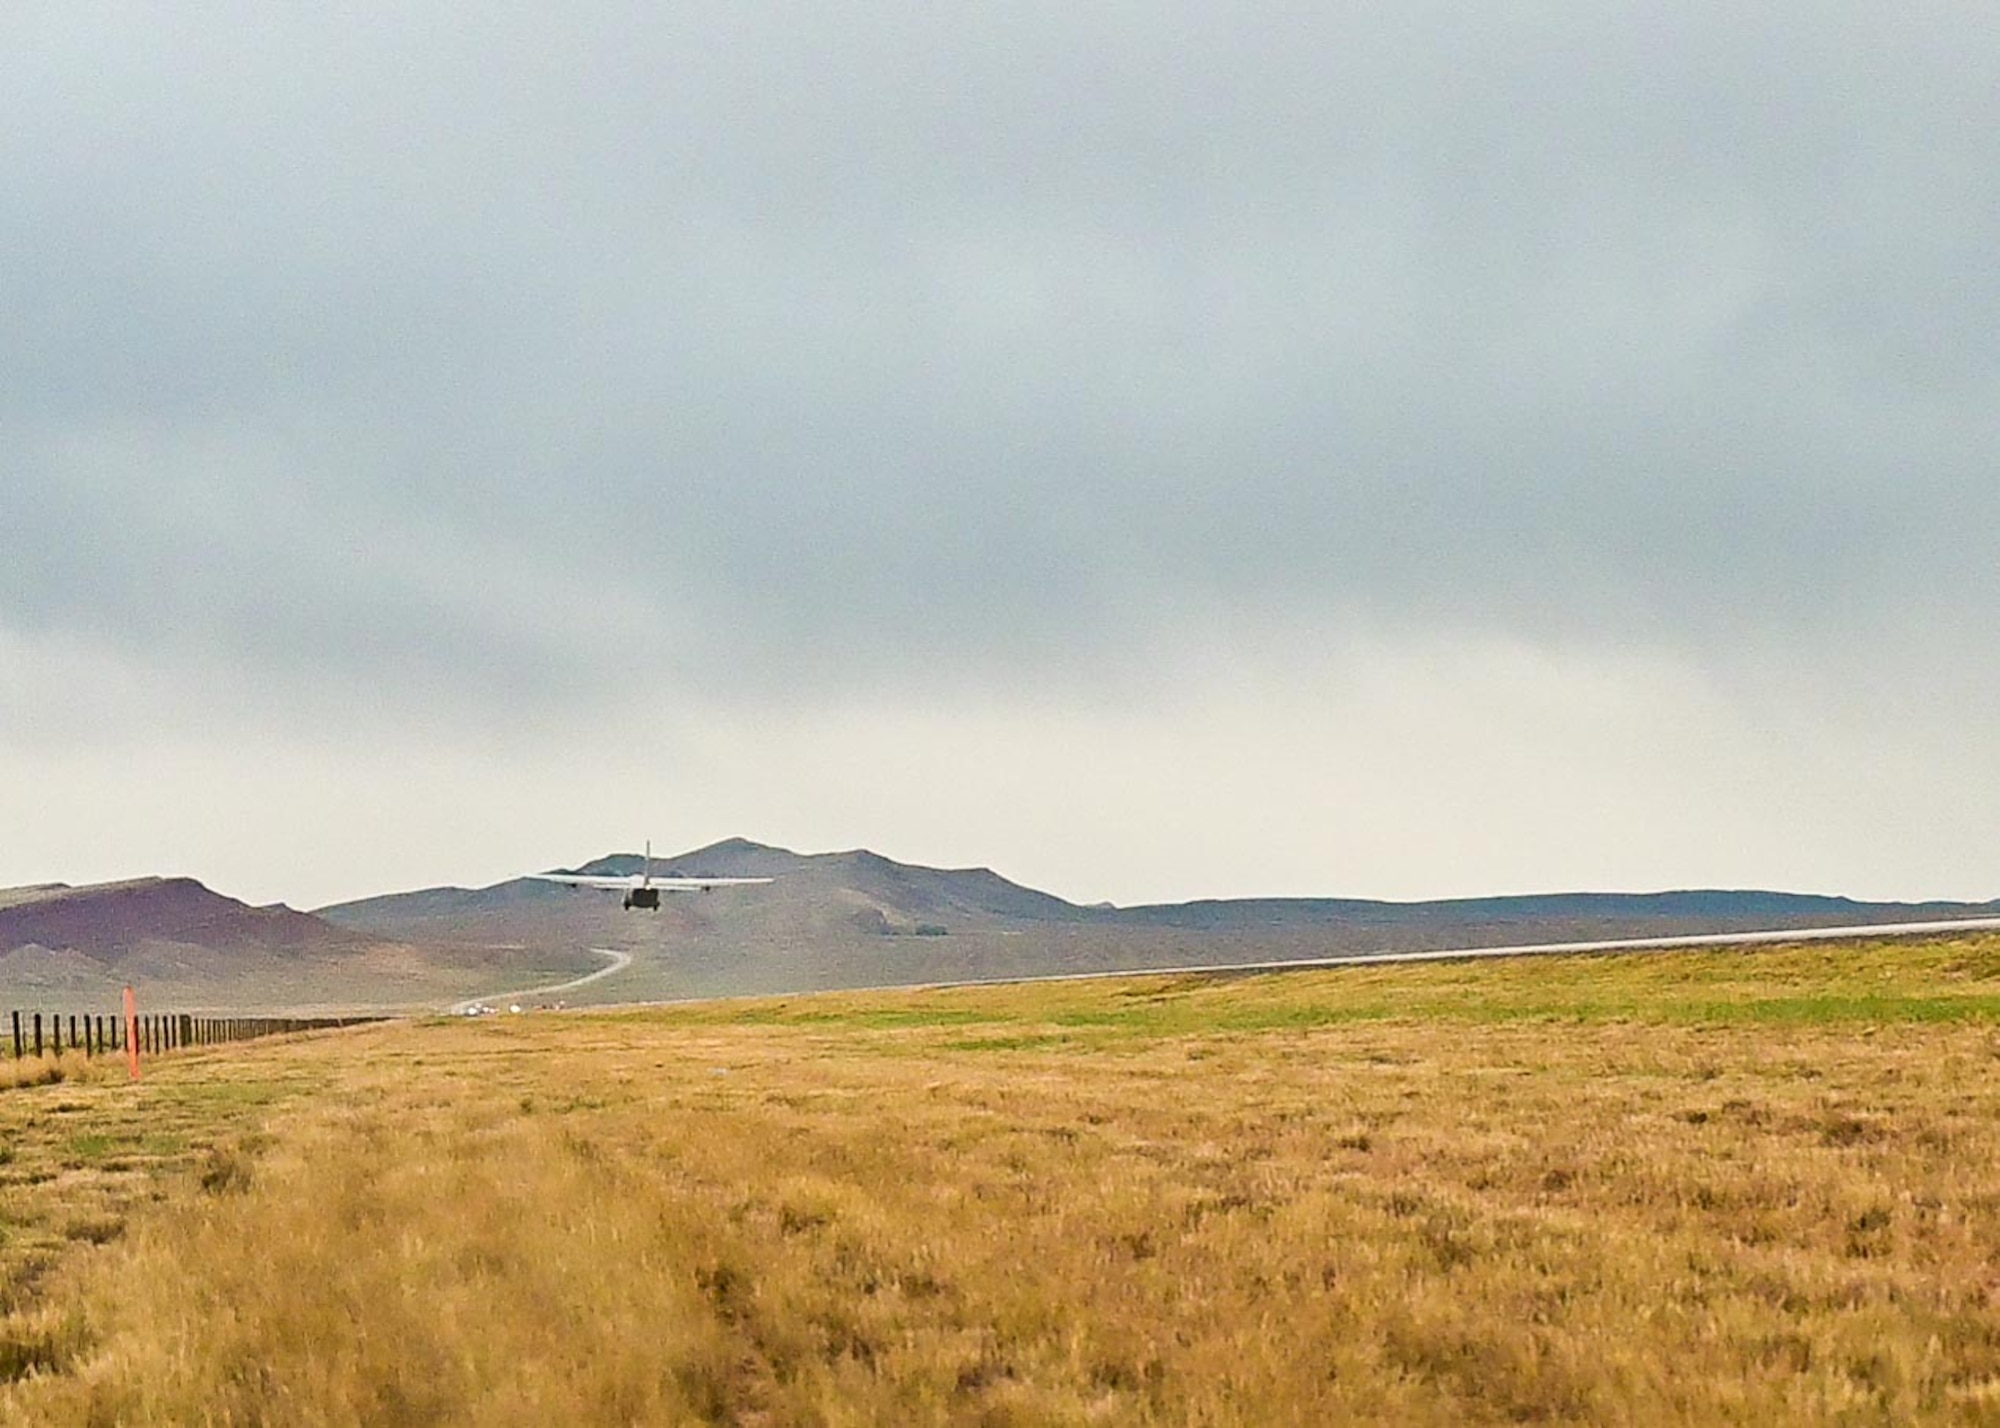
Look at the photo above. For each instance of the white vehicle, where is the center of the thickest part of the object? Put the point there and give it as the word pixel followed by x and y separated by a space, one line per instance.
pixel 642 889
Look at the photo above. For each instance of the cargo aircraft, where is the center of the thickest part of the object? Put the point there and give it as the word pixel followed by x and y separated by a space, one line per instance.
pixel 642 889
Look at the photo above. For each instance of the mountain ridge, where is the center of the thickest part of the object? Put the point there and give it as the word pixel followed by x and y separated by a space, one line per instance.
pixel 1725 903
pixel 983 891
pixel 109 922
pixel 849 918
pixel 176 939
pixel 845 907
pixel 854 918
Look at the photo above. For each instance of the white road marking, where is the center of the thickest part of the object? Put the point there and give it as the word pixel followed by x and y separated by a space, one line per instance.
pixel 1353 959
pixel 1538 949
pixel 619 962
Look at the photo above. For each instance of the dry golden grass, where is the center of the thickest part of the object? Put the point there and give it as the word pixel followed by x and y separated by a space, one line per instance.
pixel 40 1070
pixel 1680 1189
pixel 80 1148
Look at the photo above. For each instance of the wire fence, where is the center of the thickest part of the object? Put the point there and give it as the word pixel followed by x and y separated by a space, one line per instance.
pixel 55 1033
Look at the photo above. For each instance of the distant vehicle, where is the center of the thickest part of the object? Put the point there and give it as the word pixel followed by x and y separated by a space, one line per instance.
pixel 642 889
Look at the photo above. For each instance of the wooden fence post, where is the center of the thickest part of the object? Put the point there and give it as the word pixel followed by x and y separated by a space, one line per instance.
pixel 18 1048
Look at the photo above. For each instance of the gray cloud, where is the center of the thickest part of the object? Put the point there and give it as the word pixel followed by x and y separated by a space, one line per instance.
pixel 887 340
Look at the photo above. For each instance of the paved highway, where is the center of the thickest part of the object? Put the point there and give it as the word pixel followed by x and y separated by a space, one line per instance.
pixel 619 962
pixel 1538 949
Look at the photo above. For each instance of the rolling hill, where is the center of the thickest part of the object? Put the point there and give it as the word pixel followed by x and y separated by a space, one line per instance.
pixel 113 923
pixel 184 945
pixel 858 919
pixel 827 920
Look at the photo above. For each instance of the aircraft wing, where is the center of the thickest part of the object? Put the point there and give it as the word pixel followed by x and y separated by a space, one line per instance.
pixel 702 884
pixel 626 884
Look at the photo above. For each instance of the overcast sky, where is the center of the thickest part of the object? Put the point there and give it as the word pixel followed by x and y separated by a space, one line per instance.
pixel 1158 451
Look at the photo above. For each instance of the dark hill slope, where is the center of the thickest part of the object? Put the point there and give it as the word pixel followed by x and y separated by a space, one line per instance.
pixel 187 948
pixel 109 922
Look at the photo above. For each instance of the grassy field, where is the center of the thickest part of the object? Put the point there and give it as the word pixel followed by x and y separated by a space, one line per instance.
pixel 1678 1188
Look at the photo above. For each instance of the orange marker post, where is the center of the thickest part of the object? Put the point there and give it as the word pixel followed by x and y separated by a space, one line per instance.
pixel 132 1033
